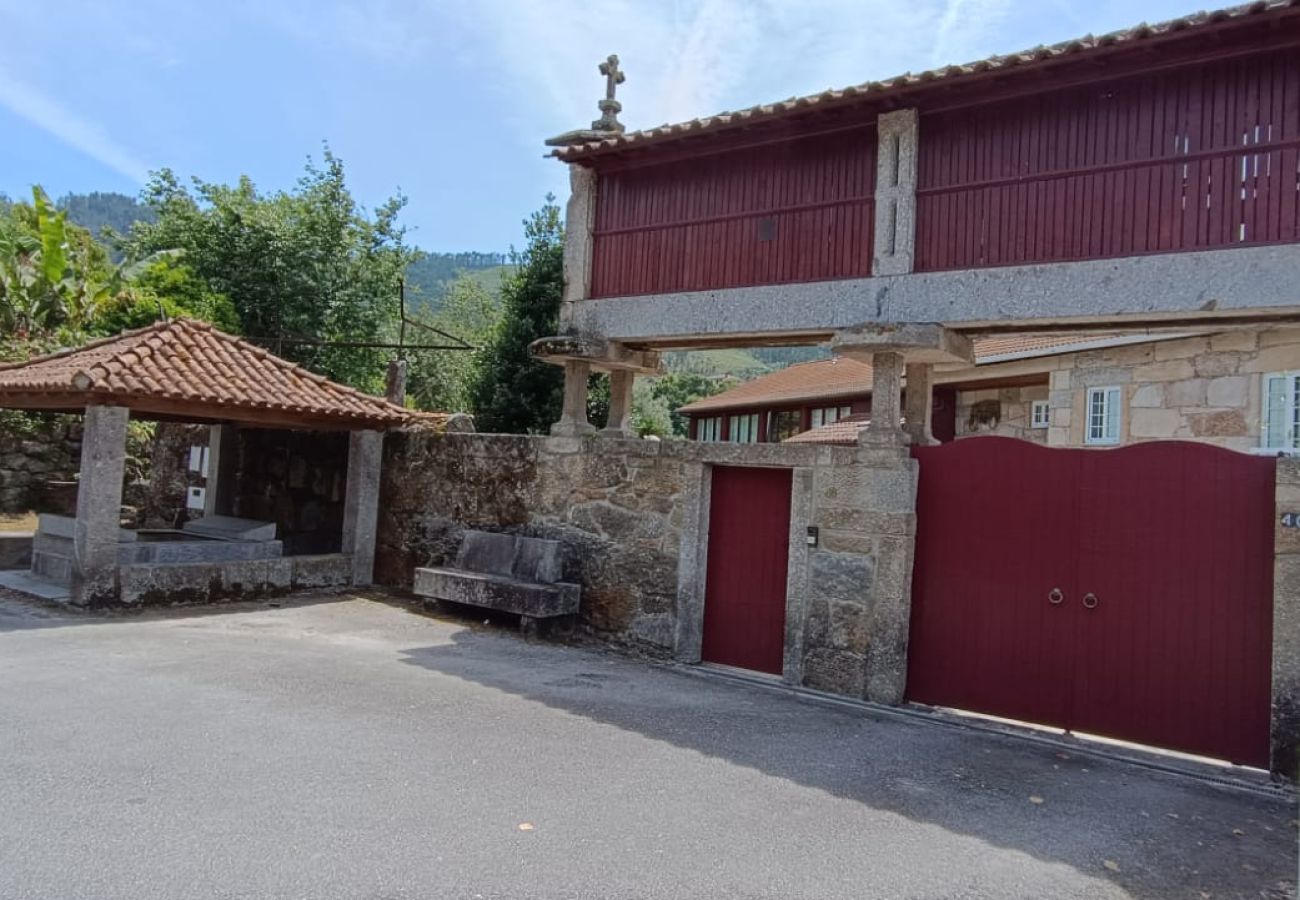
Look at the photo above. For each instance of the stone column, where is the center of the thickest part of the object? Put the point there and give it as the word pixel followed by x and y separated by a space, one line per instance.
pixel 99 506
pixel 573 417
pixel 895 219
pixel 223 467
pixel 1285 755
pixel 620 404
pixel 579 225
pixel 886 401
pixel 361 503
pixel 918 408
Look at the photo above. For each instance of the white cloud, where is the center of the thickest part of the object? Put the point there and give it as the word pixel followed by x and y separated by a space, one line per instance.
pixel 691 58
pixel 79 133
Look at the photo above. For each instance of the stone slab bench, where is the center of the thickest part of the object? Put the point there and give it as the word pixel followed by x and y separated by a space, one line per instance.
pixel 506 573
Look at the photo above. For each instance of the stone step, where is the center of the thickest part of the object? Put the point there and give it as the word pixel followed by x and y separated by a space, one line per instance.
pixel 56 567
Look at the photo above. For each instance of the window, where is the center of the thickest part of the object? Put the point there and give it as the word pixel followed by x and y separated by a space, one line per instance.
pixel 1103 416
pixel 829 415
pixel 744 429
pixel 1282 411
pixel 1040 414
pixel 784 424
pixel 709 429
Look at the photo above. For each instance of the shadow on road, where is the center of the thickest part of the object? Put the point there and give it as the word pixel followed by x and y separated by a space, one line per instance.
pixel 1151 834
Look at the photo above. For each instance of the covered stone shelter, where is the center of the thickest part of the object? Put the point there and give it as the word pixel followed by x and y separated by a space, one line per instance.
pixel 188 371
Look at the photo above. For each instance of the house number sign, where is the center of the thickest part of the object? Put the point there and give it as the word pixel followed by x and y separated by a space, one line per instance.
pixel 1291 520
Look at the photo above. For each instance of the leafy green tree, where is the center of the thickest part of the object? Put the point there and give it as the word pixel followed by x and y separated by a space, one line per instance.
pixel 512 392
pixel 307 269
pixel 442 379
pixel 52 273
pixel 164 287
pixel 677 389
pixel 651 416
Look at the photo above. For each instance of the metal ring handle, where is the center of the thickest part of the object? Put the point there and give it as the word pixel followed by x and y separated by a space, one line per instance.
pixel 1055 597
pixel 1090 600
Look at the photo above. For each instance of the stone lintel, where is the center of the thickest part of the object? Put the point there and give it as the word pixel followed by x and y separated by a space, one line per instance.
pixel 601 355
pixel 916 342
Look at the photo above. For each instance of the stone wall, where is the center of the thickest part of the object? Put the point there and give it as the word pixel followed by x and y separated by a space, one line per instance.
pixel 1286 625
pixel 296 479
pixel 45 449
pixel 1196 389
pixel 633 517
pixel 614 504
pixel 1000 411
pixel 162 500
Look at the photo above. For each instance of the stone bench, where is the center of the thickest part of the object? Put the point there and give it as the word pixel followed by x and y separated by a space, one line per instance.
pixel 506 573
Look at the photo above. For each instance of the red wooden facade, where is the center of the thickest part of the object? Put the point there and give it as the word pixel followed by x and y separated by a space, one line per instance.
pixel 1190 159
pixel 745 582
pixel 1126 592
pixel 1152 155
pixel 793 211
pixel 943 420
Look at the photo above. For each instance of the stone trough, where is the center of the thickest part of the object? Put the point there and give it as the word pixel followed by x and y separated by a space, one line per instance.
pixel 507 573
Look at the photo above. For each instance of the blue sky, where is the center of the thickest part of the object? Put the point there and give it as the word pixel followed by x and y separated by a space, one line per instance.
pixel 448 100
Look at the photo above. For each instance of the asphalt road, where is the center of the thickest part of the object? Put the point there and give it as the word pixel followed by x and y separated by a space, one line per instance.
pixel 351 748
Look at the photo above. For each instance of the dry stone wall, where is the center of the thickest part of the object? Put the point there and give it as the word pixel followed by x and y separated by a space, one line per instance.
pixel 45 451
pixel 613 504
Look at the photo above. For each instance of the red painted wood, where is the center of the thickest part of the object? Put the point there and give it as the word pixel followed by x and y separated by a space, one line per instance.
pixel 800 210
pixel 1174 539
pixel 749 544
pixel 1186 159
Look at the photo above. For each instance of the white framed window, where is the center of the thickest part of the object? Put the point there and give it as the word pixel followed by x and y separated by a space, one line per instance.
pixel 829 415
pixel 709 429
pixel 1103 411
pixel 1040 414
pixel 1281 411
pixel 744 429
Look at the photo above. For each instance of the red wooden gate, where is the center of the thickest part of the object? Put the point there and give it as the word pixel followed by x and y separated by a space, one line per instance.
pixel 1126 593
pixel 749 546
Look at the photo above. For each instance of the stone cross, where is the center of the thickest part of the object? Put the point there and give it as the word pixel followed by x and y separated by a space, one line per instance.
pixel 609 107
pixel 613 75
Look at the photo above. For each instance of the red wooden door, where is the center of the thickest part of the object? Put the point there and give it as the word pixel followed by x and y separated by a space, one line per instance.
pixel 985 634
pixel 749 546
pixel 1162 554
pixel 1175 605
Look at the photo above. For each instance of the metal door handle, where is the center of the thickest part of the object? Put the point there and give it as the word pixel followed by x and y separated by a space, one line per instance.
pixel 1055 597
pixel 1090 600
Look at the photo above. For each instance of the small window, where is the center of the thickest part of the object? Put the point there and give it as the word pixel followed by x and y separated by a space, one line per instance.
pixel 744 429
pixel 829 415
pixel 784 424
pixel 1040 414
pixel 1103 415
pixel 709 429
pixel 1282 411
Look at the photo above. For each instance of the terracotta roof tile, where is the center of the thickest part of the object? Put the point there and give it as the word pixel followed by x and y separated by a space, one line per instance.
pixel 1036 55
pixel 192 363
pixel 845 431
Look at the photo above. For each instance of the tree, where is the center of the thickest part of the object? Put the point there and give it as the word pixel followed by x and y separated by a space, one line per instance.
pixel 308 270
pixel 512 392
pixel 443 379
pixel 680 388
pixel 52 274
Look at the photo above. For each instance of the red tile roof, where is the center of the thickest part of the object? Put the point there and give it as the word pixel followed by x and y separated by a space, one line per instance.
pixel 830 379
pixel 845 431
pixel 186 368
pixel 828 98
